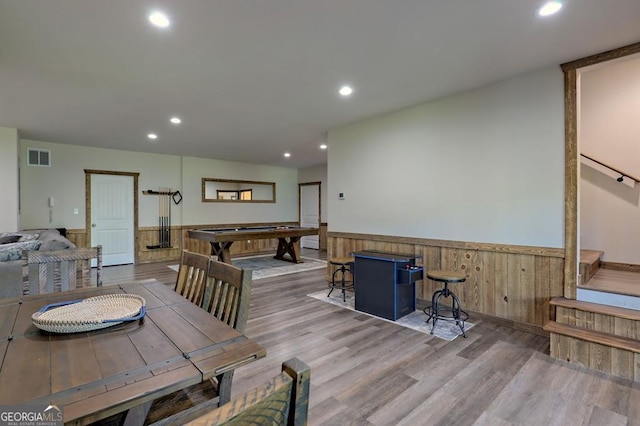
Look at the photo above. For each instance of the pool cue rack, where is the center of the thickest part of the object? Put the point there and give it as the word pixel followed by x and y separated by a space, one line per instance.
pixel 165 196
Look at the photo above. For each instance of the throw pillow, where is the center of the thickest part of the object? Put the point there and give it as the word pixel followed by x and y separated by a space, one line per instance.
pixel 29 237
pixel 14 251
pixel 24 235
pixel 9 239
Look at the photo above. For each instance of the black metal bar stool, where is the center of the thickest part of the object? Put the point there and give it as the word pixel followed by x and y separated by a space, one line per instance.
pixel 438 311
pixel 345 264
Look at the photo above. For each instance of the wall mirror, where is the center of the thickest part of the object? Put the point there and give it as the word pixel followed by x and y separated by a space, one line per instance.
pixel 237 191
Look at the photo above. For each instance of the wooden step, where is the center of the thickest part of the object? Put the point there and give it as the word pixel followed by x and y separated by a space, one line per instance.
pixel 597 336
pixel 589 264
pixel 590 256
pixel 605 339
pixel 630 314
pixel 615 281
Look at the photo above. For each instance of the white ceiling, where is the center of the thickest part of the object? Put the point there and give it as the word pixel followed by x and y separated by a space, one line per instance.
pixel 252 79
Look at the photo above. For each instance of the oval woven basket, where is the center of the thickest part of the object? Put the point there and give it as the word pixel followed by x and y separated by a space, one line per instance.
pixel 89 314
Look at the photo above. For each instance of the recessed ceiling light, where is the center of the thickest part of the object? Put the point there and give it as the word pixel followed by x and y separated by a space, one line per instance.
pixel 152 136
pixel 323 146
pixel 345 91
pixel 549 8
pixel 175 120
pixel 287 155
pixel 159 19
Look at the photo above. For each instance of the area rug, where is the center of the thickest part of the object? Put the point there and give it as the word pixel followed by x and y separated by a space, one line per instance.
pixel 416 320
pixel 266 266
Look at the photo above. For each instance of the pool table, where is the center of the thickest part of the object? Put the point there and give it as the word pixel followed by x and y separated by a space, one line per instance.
pixel 288 239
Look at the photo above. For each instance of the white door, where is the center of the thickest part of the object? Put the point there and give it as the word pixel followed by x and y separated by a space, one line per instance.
pixel 310 214
pixel 112 217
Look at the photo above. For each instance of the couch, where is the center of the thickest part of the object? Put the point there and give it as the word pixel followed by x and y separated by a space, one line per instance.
pixel 11 246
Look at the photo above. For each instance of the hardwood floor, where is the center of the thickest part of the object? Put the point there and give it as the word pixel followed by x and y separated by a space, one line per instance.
pixel 614 281
pixel 366 371
pixel 159 271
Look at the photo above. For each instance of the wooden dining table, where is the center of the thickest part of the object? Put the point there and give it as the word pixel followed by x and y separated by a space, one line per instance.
pixel 93 375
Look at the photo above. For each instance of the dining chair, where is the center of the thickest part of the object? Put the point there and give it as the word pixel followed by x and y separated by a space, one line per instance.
pixel 227 295
pixel 61 270
pixel 192 276
pixel 282 400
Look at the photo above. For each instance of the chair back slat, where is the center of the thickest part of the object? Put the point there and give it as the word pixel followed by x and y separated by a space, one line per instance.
pixel 57 269
pixel 228 294
pixel 71 269
pixel 192 276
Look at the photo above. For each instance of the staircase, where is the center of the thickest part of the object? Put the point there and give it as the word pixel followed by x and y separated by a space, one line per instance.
pixel 612 284
pixel 589 264
pixel 600 336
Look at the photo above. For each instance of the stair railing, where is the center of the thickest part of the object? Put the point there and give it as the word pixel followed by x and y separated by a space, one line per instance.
pixel 622 174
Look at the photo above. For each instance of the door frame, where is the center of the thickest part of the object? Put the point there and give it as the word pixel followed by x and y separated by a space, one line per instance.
pixel 571 154
pixel 87 185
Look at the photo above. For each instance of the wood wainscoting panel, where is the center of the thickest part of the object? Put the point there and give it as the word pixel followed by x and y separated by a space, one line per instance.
pixel 504 281
pixel 148 236
pixel 77 237
pixel 322 243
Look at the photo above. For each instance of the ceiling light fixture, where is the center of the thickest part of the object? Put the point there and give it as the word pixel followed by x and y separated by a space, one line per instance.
pixel 323 146
pixel 159 19
pixel 549 8
pixel 152 136
pixel 287 155
pixel 175 120
pixel 346 91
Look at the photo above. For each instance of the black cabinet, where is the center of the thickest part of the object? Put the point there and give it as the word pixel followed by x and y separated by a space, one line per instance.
pixel 385 283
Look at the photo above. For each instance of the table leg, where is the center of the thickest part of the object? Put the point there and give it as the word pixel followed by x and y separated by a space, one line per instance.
pixel 291 247
pixel 137 415
pixel 224 386
pixel 222 251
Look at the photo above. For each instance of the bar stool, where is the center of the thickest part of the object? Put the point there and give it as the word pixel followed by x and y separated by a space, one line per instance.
pixel 437 311
pixel 345 264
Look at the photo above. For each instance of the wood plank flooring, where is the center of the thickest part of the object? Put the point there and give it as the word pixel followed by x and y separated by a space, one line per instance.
pixel 366 371
pixel 614 281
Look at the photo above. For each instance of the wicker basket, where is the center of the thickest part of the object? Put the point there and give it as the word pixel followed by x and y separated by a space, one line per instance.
pixel 89 314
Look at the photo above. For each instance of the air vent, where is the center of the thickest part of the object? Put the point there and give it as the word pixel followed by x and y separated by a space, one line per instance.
pixel 39 157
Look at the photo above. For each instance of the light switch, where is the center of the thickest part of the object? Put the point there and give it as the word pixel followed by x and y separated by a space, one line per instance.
pixel 75 211
pixel 341 196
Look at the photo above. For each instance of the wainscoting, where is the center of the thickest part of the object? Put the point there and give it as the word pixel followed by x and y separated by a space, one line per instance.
pixel 148 236
pixel 514 283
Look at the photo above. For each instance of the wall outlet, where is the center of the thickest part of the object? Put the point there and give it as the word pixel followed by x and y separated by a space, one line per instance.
pixel 341 196
pixel 75 211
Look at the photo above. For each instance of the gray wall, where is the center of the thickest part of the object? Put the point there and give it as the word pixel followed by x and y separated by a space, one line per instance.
pixel 485 166
pixel 65 181
pixel 9 218
pixel 284 210
pixel 609 131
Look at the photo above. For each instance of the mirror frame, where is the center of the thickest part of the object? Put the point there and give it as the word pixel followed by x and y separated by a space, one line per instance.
pixel 237 200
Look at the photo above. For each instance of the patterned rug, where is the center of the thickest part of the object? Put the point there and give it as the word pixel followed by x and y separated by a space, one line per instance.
pixel 416 320
pixel 266 266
